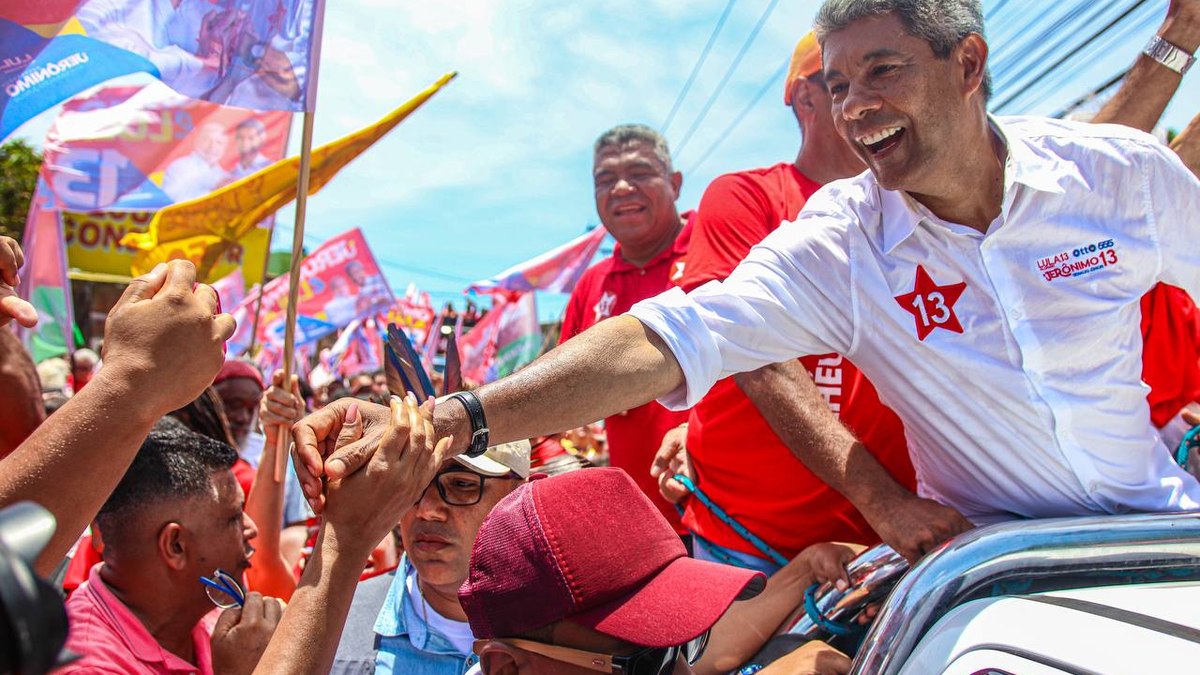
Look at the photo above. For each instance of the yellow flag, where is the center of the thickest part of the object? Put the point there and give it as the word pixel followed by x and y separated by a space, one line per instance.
pixel 201 230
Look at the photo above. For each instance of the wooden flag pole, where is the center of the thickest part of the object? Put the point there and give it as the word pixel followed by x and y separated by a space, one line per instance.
pixel 289 335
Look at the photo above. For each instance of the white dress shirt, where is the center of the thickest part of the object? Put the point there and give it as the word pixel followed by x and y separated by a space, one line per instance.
pixel 1013 357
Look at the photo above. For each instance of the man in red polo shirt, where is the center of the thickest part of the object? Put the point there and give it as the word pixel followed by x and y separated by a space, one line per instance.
pixel 735 454
pixel 636 189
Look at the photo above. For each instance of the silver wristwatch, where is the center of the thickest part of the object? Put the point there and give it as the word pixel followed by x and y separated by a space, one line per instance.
pixel 1169 55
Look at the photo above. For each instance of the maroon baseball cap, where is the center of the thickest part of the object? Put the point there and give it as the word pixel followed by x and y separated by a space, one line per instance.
pixel 589 547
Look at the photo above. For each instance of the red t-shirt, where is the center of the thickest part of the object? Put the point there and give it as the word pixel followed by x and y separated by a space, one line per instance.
pixel 1170 351
pixel 608 288
pixel 740 462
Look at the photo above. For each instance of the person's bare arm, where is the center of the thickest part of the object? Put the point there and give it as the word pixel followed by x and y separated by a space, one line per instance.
pixel 616 365
pixel 162 348
pixel 270 574
pixel 1187 145
pixel 794 408
pixel 745 628
pixel 361 509
pixel 1149 85
pixel 20 393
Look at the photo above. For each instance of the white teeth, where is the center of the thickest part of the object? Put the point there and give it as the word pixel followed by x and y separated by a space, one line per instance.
pixel 879 136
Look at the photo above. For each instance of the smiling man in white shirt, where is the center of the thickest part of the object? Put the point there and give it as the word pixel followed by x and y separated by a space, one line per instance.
pixel 985 274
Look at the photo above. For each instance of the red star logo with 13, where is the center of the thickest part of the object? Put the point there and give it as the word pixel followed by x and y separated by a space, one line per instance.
pixel 932 305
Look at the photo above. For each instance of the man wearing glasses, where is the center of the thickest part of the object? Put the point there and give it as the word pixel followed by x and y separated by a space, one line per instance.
pixel 579 574
pixel 410 621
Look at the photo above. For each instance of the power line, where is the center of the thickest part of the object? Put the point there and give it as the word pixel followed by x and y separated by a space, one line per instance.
pixel 687 86
pixel 737 60
pixel 771 82
pixel 1065 57
pixel 1042 89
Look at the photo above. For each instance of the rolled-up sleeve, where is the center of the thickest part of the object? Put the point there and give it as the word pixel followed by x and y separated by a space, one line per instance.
pixel 779 303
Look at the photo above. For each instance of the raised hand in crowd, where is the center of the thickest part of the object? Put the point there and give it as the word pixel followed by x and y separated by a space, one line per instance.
pixel 11 304
pixel 163 344
pixel 359 509
pixel 672 459
pixel 748 625
pixel 280 408
pixel 241 634
pixel 1149 86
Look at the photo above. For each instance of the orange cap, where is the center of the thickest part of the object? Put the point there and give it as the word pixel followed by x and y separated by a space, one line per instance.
pixel 806 60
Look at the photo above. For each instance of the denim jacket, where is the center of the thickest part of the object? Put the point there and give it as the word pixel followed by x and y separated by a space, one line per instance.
pixel 399 646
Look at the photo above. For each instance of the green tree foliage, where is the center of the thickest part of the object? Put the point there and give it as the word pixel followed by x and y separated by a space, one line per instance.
pixel 19 166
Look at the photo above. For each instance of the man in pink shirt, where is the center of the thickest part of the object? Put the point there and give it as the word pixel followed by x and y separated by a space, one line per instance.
pixel 175 517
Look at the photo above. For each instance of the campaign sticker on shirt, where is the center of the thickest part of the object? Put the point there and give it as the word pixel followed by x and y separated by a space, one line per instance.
pixel 932 304
pixel 1079 261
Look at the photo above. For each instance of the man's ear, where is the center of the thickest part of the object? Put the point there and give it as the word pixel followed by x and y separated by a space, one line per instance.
pixel 803 102
pixel 972 55
pixel 676 182
pixel 173 546
pixel 497 658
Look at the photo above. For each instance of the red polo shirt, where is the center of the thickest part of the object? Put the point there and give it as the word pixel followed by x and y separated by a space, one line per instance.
pixel 110 639
pixel 1170 351
pixel 608 288
pixel 739 460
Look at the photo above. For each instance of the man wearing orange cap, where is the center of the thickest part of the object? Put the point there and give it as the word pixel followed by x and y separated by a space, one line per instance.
pixel 739 435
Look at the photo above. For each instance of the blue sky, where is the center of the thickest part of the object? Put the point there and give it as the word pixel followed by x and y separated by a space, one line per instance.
pixel 496 168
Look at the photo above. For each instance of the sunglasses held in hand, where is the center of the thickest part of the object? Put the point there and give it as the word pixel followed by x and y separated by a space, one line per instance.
pixel 224 590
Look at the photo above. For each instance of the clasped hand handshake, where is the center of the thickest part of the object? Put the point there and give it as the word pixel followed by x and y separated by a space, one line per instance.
pixel 362 464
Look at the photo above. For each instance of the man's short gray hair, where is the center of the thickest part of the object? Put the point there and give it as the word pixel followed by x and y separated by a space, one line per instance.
pixel 635 133
pixel 941 23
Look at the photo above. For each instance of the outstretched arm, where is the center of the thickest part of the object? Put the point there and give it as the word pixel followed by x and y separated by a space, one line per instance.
pixel 616 365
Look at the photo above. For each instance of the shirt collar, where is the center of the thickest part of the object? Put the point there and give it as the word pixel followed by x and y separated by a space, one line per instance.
pixel 1023 164
pixel 138 640
pixel 1029 165
pixel 391 621
pixel 678 248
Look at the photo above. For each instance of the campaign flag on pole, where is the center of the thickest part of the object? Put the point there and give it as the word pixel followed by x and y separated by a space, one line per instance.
pixel 413 315
pixel 44 283
pixel 260 55
pixel 557 270
pixel 339 282
pixel 505 339
pixel 95 251
pixel 359 349
pixel 519 338
pixel 145 147
pixel 202 229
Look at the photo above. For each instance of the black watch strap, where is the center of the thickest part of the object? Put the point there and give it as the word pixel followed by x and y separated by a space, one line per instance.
pixel 479 428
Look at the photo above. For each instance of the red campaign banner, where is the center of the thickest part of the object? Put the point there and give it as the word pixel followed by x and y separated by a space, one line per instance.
pixel 146 147
pixel 339 282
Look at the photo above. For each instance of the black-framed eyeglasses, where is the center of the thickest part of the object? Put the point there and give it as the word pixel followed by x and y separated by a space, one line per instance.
pixel 458 487
pixel 648 661
pixel 224 590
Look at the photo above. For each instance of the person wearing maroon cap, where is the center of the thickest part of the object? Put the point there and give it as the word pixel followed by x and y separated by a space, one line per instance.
pixel 240 386
pixel 553 588
pixel 636 188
